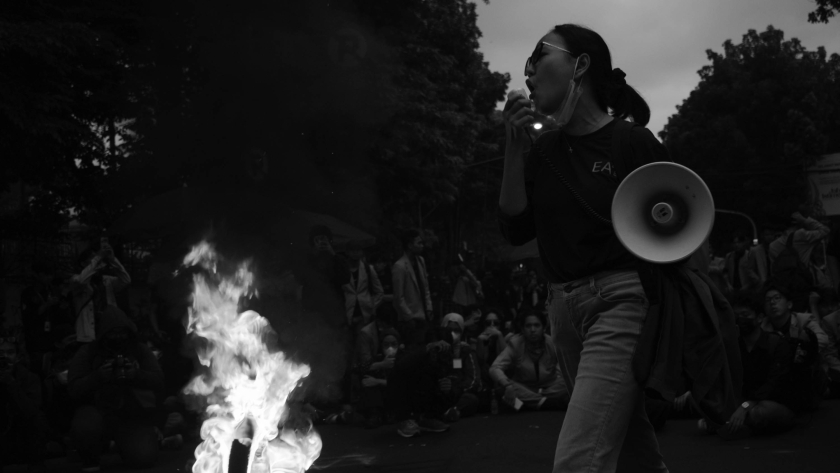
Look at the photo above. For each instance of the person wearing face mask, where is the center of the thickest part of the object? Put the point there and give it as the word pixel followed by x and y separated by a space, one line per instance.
pixel 490 342
pixel 454 372
pixel 766 392
pixel 560 192
pixel 374 357
pixel 23 427
pixel 117 382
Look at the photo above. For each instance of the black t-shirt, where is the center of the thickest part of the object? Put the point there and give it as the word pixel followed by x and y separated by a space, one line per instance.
pixel 573 244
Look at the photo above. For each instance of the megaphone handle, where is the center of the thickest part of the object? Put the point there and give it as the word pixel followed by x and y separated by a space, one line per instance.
pixel 571 189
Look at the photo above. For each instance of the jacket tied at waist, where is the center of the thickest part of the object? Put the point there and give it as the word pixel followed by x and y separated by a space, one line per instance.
pixel 689 332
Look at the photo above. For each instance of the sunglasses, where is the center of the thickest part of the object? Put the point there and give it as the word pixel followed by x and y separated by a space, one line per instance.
pixel 535 56
pixel 492 322
pixel 8 339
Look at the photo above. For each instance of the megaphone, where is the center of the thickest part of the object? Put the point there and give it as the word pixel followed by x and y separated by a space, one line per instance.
pixel 663 212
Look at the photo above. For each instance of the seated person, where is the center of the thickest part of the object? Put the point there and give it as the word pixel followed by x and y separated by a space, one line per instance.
pixel 809 344
pixel 454 373
pixel 489 343
pixel 831 326
pixel 472 322
pixel 390 378
pixel 117 382
pixel 767 359
pixel 23 427
pixel 528 370
pixel 372 360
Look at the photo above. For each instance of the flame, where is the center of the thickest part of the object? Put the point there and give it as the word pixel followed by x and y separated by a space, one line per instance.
pixel 246 386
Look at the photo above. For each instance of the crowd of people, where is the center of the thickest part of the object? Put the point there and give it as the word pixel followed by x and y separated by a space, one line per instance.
pixel 98 360
pixel 408 364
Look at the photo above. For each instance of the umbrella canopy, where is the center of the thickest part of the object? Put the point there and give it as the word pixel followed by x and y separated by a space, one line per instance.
pixel 518 253
pixel 174 212
pixel 344 235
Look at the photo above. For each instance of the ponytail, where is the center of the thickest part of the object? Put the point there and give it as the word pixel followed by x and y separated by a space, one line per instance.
pixel 611 90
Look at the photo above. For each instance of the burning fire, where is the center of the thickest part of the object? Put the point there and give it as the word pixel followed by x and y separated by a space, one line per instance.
pixel 246 386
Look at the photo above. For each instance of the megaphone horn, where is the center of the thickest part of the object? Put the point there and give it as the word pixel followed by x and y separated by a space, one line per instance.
pixel 663 212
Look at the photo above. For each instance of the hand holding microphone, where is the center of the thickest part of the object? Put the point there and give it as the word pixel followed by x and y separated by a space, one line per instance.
pixel 518 113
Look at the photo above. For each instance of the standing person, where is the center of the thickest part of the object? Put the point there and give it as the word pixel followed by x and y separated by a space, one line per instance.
pixel 742 265
pixel 804 234
pixel 363 294
pixel 94 289
pixel 323 277
pixel 467 290
pixel 597 303
pixel 23 427
pixel 412 299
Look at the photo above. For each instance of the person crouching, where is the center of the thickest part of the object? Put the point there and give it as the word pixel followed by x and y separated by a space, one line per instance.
pixel 117 381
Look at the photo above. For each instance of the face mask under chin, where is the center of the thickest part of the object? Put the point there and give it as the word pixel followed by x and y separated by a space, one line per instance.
pixel 564 114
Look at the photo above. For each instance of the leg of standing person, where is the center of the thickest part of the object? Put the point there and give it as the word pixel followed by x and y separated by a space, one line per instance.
pixel 596 323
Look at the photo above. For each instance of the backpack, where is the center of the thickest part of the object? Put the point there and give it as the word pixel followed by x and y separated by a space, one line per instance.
pixel 790 272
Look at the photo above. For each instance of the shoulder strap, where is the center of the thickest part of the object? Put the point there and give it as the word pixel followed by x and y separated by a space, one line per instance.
pixel 571 189
pixel 619 143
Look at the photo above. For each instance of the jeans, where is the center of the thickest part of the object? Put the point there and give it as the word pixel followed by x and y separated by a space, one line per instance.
pixel 596 323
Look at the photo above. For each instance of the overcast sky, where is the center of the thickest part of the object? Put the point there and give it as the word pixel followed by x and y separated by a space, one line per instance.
pixel 660 44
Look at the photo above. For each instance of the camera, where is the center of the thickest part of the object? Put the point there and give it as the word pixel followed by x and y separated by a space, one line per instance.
pixel 120 365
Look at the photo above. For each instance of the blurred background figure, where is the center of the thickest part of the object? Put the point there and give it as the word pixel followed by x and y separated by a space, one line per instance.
pixel 118 386
pixel 412 298
pixel 23 427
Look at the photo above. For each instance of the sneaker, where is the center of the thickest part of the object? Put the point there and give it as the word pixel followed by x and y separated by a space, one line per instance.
pixel 408 428
pixel 432 425
pixel 452 415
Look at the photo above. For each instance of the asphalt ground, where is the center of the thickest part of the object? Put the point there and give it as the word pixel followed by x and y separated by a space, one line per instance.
pixel 525 442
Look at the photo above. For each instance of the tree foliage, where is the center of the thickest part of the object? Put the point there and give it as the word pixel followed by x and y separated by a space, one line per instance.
pixel 366 109
pixel 825 10
pixel 763 109
pixel 443 95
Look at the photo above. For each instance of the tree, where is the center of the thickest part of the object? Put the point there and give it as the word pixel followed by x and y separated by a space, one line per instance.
pixel 825 10
pixel 442 99
pixel 763 109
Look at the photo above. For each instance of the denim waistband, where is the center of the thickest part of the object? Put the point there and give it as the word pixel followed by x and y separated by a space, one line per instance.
pixel 591 283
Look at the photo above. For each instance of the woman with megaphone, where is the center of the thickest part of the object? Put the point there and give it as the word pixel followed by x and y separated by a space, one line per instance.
pixel 561 194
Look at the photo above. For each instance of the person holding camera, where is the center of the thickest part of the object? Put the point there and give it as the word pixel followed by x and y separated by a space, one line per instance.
pixel 23 427
pixel 561 194
pixel 95 288
pixel 117 382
